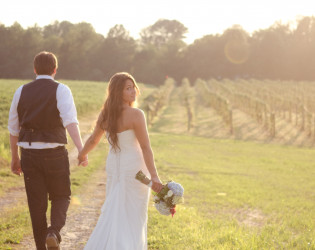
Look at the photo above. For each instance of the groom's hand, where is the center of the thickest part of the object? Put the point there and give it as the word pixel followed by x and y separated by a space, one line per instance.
pixel 16 166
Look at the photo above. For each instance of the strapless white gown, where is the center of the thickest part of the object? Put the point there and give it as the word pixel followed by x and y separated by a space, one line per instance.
pixel 123 220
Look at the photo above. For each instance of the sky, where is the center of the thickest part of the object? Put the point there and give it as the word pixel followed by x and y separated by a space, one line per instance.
pixel 201 17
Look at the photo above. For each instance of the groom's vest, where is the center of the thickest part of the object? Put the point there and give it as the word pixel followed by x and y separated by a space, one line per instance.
pixel 39 116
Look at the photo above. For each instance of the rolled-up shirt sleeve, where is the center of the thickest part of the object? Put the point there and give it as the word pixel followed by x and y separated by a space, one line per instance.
pixel 66 106
pixel 13 123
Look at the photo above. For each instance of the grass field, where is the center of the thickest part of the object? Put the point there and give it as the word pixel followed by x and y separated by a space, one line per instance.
pixel 238 194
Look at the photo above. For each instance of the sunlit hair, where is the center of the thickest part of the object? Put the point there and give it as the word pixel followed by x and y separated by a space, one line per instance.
pixel 113 106
pixel 45 63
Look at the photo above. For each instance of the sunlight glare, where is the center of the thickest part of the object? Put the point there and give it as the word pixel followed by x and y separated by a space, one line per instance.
pixel 200 17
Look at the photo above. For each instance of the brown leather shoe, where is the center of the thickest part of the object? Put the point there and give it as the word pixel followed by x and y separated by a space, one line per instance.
pixel 52 241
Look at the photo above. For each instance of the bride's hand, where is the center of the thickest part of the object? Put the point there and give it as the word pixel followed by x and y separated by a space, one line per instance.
pixel 156 184
pixel 83 160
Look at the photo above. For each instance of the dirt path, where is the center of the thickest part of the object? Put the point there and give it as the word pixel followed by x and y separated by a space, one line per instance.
pixel 14 196
pixel 17 195
pixel 82 216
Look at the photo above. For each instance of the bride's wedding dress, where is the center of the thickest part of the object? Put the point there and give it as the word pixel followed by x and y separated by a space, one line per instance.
pixel 123 220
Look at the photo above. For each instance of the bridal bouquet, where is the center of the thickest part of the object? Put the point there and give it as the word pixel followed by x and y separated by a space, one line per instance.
pixel 167 199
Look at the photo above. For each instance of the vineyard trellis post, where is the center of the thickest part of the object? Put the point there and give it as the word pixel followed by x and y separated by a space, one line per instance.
pixel 272 125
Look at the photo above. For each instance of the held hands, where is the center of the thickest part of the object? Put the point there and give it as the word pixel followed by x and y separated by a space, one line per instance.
pixel 83 160
pixel 16 167
pixel 156 184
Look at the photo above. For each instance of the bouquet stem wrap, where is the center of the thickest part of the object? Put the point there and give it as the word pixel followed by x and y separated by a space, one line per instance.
pixel 140 176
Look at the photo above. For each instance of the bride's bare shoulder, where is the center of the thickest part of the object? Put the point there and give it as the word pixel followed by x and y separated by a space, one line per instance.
pixel 135 111
pixel 135 115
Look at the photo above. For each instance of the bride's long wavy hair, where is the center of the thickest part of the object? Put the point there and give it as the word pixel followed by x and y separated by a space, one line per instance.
pixel 113 106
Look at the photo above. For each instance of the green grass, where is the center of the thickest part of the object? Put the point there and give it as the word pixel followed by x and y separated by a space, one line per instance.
pixel 238 195
pixel 80 175
pixel 14 224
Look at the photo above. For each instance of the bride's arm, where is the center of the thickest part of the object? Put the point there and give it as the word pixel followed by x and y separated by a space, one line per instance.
pixel 91 142
pixel 140 128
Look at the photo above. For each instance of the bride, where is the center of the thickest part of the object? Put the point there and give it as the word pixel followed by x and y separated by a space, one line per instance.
pixel 123 220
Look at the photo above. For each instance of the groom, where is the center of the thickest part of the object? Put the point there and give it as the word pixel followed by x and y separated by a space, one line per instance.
pixel 40 114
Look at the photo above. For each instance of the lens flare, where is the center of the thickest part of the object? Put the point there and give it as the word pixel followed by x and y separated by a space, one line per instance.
pixel 75 200
pixel 236 51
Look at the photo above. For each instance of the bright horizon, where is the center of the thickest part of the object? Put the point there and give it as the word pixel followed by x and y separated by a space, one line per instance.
pixel 201 17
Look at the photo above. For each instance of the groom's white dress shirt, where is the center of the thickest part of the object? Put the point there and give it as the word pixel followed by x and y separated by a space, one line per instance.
pixel 65 105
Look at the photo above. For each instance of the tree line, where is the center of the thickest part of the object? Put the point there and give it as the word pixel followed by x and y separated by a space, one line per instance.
pixel 278 52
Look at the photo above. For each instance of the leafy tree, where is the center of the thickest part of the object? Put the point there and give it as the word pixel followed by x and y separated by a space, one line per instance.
pixel 163 41
pixel 116 52
pixel 278 52
pixel 80 41
pixel 163 32
pixel 204 58
pixel 302 50
pixel 270 54
pixel 146 67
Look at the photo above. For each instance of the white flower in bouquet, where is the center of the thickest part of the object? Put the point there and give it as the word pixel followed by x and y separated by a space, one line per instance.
pixel 169 193
pixel 162 208
pixel 177 199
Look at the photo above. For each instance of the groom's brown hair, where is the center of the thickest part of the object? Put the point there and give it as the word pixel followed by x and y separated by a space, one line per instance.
pixel 45 63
